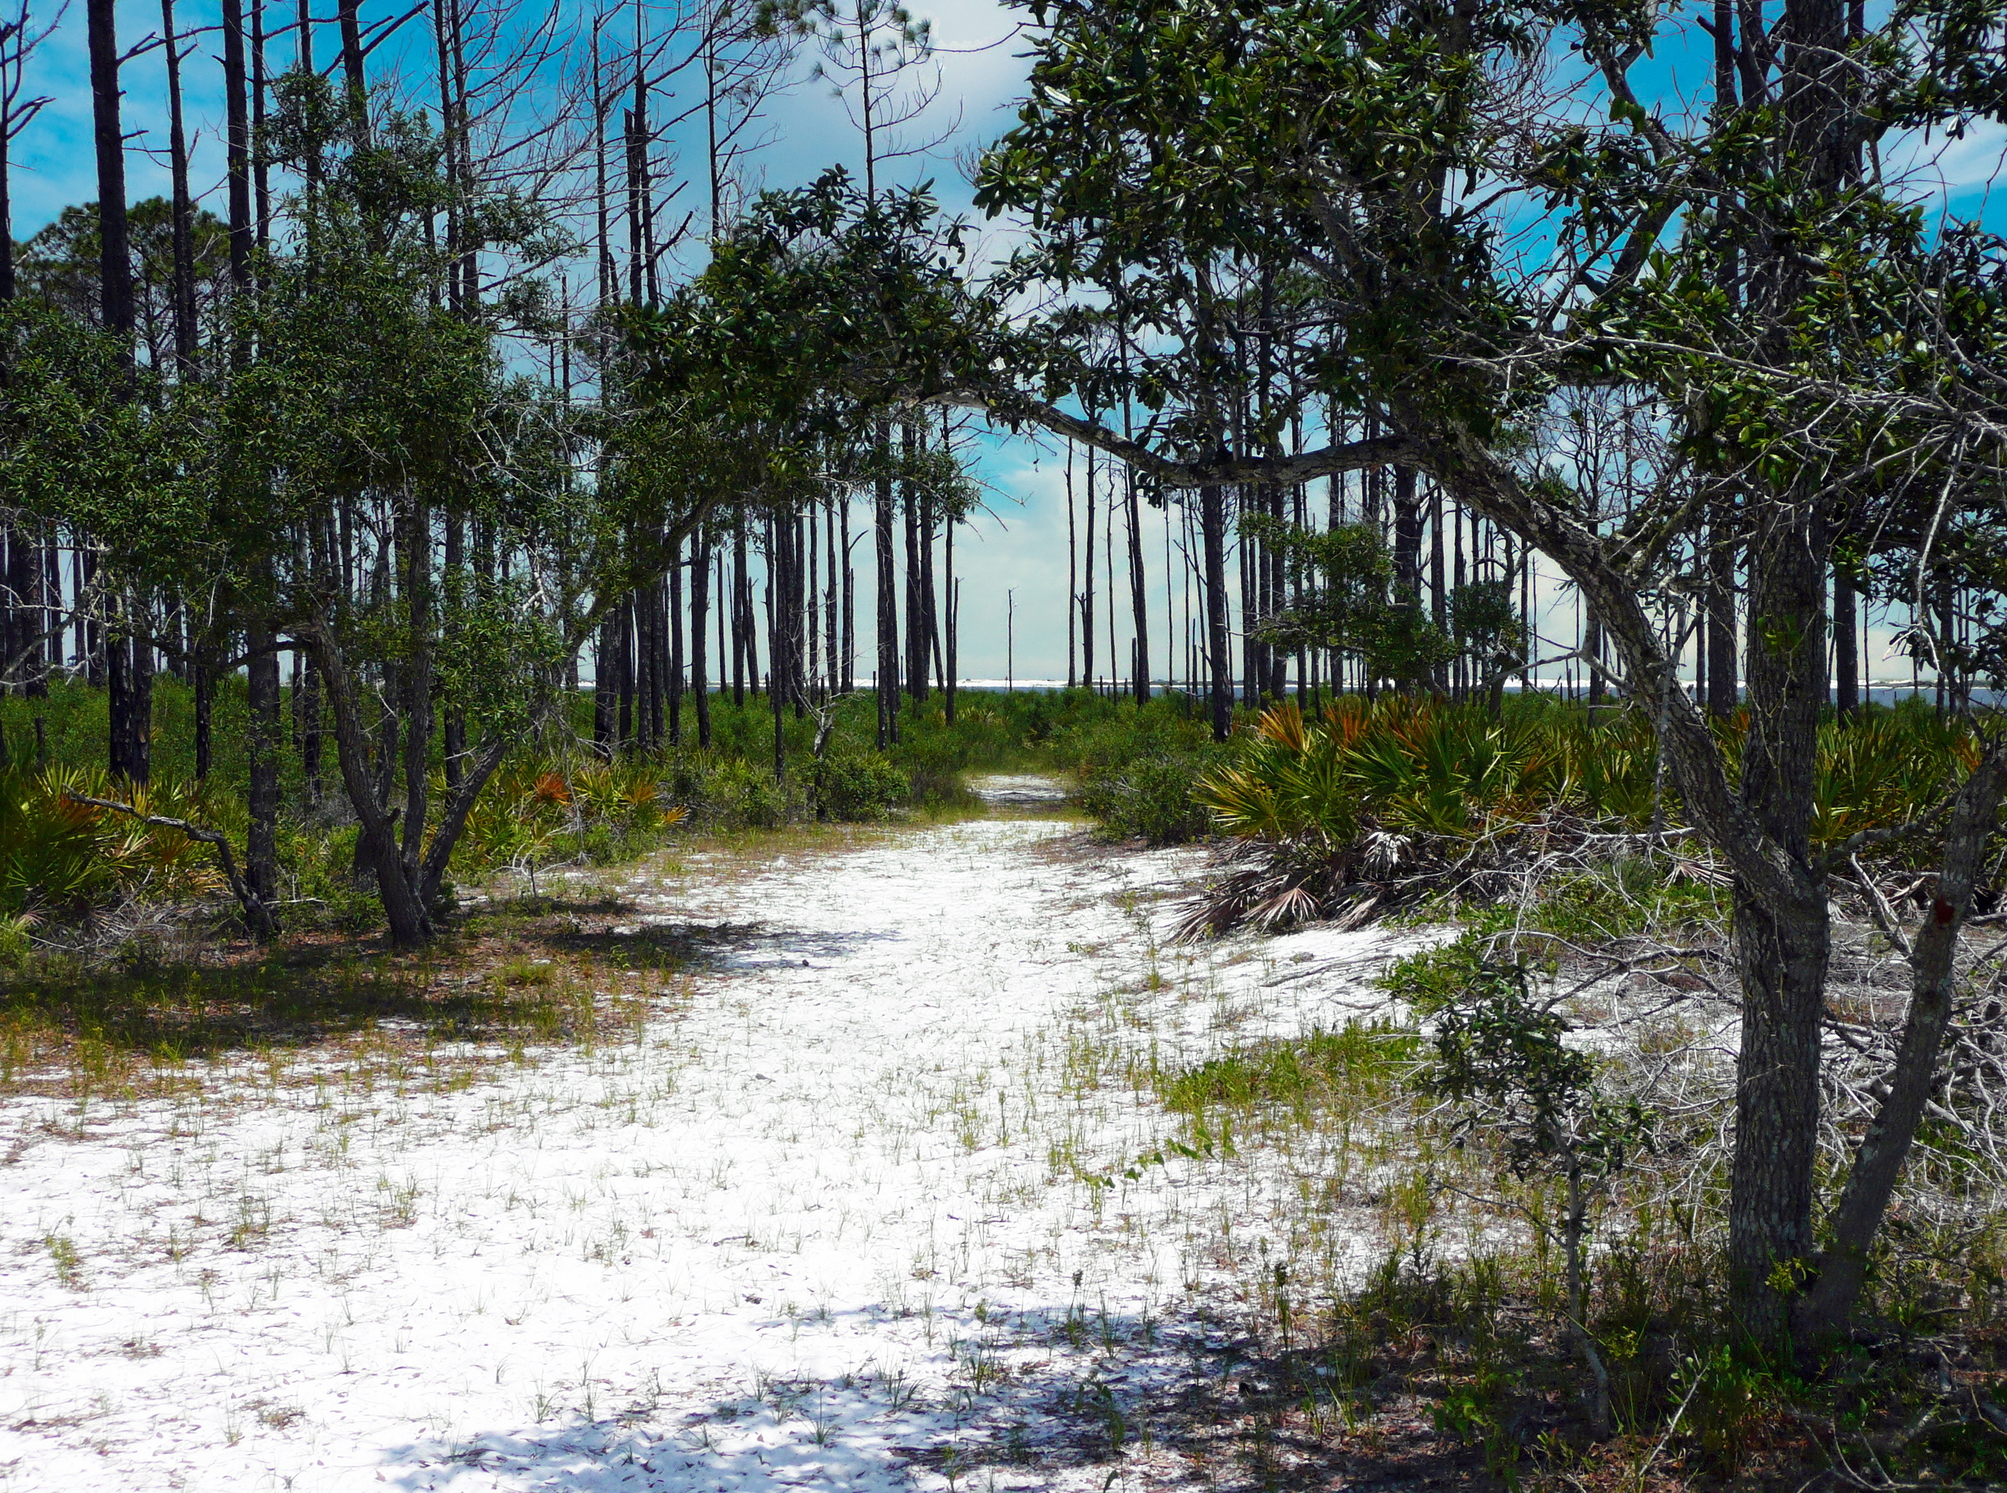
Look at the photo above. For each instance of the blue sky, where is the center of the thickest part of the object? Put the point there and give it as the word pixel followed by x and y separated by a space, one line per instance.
pixel 1014 558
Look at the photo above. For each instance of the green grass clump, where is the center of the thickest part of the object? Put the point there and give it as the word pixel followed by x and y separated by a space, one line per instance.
pixel 1319 1069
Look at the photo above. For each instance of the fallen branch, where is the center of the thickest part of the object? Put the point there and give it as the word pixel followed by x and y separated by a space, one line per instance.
pixel 1853 845
pixel 257 915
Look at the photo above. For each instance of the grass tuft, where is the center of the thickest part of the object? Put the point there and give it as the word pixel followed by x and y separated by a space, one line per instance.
pixel 1325 1069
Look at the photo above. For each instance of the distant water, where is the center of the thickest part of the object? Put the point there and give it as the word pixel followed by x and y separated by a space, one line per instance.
pixel 1884 692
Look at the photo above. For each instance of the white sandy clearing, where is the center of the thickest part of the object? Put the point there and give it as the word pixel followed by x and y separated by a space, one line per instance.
pixel 1018 790
pixel 824 1225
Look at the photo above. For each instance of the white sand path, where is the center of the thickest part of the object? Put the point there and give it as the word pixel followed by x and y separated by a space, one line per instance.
pixel 822 1226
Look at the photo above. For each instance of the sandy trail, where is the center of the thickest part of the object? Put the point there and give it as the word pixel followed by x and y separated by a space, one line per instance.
pixel 828 1223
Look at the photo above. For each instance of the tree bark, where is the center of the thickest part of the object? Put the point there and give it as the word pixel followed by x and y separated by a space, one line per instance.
pixel 1846 642
pixel 25 648
pixel 738 611
pixel 1762 832
pixel 1212 528
pixel 453 731
pixel 311 734
pixel 261 747
pixel 114 248
pixel 1879 1157
pixel 439 852
pixel 125 749
pixel 605 689
pixel 403 908
pixel 1072 575
pixel 949 677
pixel 416 543
pixel 7 127
pixel 849 620
pixel 349 15
pixel 185 330
pixel 1087 579
pixel 1138 595
pixel 205 708
pixel 888 604
pixel 700 604
pixel 675 607
pixel 624 656
pixel 779 666
pixel 914 443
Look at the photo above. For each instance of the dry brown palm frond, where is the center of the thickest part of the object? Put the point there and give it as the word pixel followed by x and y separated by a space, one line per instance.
pixel 1287 907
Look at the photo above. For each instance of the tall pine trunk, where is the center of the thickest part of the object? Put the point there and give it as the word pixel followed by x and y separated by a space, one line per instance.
pixel 265 729
pixel 885 517
pixel 739 620
pixel 130 705
pixel 675 609
pixel 261 745
pixel 1087 584
pixel 913 440
pixel 1846 641
pixel 185 330
pixel 700 603
pixel 1212 532
pixel 605 688
pixel 1138 594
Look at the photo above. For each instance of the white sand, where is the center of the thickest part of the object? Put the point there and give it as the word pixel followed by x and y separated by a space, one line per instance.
pixel 820 1227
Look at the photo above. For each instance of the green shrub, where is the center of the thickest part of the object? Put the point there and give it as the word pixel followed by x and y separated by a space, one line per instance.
pixel 856 786
pixel 1150 800
pixel 543 810
pixel 734 793
pixel 1430 979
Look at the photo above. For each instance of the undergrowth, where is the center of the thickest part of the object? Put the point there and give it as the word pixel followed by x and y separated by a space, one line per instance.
pixel 554 802
pixel 1366 808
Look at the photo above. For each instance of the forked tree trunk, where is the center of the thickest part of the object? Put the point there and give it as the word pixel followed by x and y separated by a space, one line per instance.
pixel 403 908
pixel 1762 832
pixel 453 822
